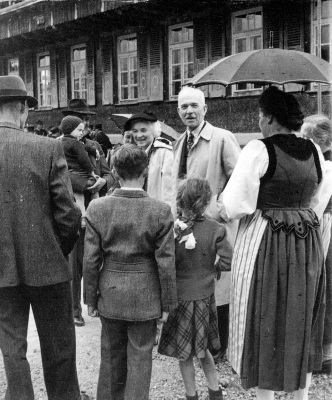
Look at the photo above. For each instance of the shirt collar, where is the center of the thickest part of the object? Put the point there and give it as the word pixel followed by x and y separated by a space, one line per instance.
pixel 197 130
pixel 130 188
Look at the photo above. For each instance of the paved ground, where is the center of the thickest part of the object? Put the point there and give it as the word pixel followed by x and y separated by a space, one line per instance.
pixel 166 381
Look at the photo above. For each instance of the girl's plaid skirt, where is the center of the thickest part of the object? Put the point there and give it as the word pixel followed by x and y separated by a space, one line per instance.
pixel 191 329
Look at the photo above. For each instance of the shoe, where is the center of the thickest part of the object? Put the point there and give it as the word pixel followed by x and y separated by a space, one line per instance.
pixel 79 321
pixel 219 357
pixel 327 367
pixel 215 394
pixel 192 397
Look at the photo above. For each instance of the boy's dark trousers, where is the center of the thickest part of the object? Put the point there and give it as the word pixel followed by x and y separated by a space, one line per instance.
pixel 126 359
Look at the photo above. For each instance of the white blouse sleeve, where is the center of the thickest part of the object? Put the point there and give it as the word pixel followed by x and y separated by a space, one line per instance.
pixel 324 189
pixel 240 195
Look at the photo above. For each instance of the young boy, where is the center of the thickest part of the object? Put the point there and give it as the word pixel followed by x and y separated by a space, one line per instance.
pixel 129 276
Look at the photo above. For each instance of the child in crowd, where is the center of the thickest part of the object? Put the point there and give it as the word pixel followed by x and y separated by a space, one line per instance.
pixel 76 153
pixel 129 276
pixel 191 329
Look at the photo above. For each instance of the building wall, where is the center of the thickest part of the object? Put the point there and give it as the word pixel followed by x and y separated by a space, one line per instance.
pixel 80 23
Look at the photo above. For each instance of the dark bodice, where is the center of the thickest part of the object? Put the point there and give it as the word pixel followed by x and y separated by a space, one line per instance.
pixel 289 184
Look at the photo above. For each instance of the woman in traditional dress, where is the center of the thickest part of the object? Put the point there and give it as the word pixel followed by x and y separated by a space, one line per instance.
pixel 277 287
pixel 319 129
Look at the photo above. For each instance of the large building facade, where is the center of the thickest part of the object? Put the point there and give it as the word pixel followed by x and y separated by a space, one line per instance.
pixel 124 56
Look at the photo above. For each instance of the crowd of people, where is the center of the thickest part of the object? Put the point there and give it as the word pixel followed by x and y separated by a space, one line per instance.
pixel 226 252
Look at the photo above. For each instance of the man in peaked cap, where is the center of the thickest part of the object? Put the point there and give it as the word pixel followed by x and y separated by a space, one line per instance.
pixel 146 131
pixel 38 229
pixel 79 108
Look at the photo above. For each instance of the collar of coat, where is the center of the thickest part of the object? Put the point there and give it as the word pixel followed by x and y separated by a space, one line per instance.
pixel 129 193
pixel 162 143
pixel 206 134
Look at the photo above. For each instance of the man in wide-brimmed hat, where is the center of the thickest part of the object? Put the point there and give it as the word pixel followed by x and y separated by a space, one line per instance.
pixel 79 108
pixel 39 225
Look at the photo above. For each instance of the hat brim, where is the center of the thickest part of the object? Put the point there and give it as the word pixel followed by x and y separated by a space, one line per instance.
pixel 73 111
pixel 128 124
pixel 32 101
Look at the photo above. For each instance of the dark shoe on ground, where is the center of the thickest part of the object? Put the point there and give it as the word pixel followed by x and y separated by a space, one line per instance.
pixel 79 321
pixel 327 367
pixel 219 357
pixel 192 397
pixel 215 394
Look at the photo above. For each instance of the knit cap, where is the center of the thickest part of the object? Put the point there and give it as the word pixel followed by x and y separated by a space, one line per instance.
pixel 69 124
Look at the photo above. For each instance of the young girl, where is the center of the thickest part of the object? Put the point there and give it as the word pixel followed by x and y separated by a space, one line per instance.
pixel 191 329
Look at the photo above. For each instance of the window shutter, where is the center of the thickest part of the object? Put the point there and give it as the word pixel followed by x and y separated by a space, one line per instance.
pixel 217 51
pixel 143 78
pixel 293 29
pixel 90 74
pixel 200 53
pixel 156 66
pixel 106 57
pixel 2 67
pixel 29 74
pixel 62 68
pixel 271 26
pixel 54 83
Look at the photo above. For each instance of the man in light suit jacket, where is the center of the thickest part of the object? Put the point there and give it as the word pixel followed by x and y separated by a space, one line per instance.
pixel 39 225
pixel 204 151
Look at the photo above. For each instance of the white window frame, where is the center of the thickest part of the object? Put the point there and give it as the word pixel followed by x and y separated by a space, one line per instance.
pixel 248 35
pixel 182 46
pixel 82 91
pixel 313 39
pixel 131 56
pixel 44 96
pixel 15 60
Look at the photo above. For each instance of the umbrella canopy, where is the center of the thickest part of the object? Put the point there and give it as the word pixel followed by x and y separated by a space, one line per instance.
pixel 276 66
pixel 120 120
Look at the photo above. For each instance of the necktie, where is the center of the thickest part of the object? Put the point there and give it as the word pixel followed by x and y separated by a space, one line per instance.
pixel 190 141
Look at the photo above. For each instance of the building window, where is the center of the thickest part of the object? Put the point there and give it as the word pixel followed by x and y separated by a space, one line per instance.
pixel 78 72
pixel 181 57
pixel 13 66
pixel 247 29
pixel 326 31
pixel 44 80
pixel 128 72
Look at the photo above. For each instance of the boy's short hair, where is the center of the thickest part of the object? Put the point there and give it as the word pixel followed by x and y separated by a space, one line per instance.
pixel 130 162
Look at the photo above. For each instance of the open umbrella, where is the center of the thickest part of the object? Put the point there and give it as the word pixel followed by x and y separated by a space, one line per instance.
pixel 276 66
pixel 167 131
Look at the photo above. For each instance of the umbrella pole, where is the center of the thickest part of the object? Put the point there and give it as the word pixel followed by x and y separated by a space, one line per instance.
pixel 319 53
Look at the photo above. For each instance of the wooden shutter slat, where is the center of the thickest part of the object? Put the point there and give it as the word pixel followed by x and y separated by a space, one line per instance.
pixel 90 78
pixel 54 81
pixel 143 76
pixel 107 79
pixel 271 17
pixel 156 66
pixel 200 35
pixel 62 68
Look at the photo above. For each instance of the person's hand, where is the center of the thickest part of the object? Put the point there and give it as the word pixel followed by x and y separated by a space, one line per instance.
pixel 93 312
pixel 164 316
pixel 100 182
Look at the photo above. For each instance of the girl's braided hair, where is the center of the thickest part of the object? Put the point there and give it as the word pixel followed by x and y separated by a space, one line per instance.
pixel 193 196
